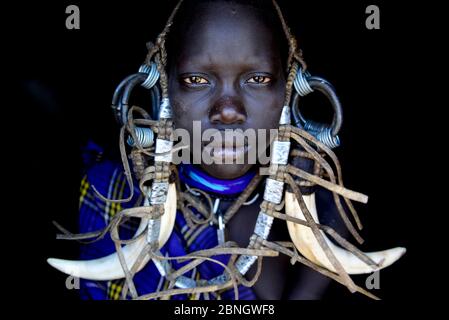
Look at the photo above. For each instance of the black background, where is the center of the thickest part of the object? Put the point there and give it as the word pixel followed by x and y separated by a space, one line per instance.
pixel 64 84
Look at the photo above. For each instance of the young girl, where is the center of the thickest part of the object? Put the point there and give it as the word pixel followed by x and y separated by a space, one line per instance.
pixel 220 66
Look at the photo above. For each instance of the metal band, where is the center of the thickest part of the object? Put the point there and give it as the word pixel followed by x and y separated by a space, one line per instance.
pixel 145 136
pixel 301 84
pixel 263 225
pixel 222 278
pixel 244 262
pixel 280 152
pixel 326 137
pixel 285 116
pixel 163 146
pixel 165 111
pixel 159 193
pixel 184 282
pixel 153 75
pixel 273 191
pixel 154 228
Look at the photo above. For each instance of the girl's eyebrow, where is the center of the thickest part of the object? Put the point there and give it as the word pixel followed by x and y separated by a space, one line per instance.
pixel 199 62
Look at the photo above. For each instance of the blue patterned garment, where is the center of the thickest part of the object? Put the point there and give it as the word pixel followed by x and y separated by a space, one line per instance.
pixel 95 214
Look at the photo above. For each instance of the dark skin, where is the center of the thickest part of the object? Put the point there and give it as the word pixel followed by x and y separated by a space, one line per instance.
pixel 228 74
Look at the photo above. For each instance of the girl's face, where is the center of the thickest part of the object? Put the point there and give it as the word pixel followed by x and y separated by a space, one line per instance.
pixel 227 75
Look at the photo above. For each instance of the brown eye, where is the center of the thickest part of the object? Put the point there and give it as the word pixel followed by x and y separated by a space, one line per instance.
pixel 260 80
pixel 195 80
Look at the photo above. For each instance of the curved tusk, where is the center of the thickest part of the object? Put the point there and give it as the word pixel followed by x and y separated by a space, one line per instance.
pixel 109 267
pixel 306 243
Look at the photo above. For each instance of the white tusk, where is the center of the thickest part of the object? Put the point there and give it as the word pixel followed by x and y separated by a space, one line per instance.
pixel 109 267
pixel 308 246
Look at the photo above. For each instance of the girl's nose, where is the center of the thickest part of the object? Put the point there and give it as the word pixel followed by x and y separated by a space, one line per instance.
pixel 227 110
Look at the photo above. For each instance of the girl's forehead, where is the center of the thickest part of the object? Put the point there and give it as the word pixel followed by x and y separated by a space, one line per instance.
pixel 224 8
pixel 232 27
pixel 226 16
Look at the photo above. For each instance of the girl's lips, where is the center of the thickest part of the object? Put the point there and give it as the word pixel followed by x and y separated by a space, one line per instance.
pixel 227 154
pixel 228 149
pixel 232 141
